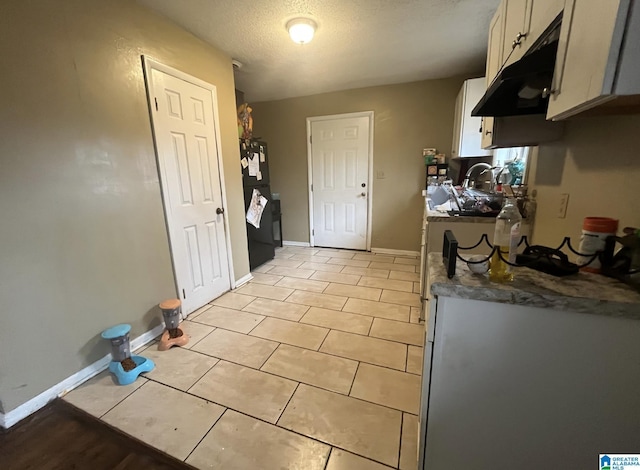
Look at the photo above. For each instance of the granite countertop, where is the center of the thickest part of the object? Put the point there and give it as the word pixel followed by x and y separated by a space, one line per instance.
pixel 435 216
pixel 582 292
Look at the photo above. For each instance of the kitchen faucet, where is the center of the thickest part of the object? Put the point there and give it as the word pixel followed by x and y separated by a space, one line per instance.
pixel 467 176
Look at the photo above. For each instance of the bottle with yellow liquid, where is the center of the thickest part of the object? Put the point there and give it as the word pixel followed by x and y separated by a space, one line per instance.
pixel 505 238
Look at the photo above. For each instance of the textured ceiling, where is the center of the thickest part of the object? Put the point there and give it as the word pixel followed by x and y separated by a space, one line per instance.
pixel 358 42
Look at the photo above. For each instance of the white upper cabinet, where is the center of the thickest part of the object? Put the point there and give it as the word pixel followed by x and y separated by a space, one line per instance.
pixel 543 12
pixel 598 57
pixel 515 27
pixel 494 62
pixel 466 133
pixel 495 45
pixel 516 38
pixel 524 21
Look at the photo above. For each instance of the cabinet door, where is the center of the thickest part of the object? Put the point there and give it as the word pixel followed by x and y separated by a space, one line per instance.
pixel 466 127
pixel 590 38
pixel 457 122
pixel 494 61
pixel 543 12
pixel 517 15
pixel 494 48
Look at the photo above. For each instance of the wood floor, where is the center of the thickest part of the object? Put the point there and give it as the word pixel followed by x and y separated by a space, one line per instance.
pixel 62 437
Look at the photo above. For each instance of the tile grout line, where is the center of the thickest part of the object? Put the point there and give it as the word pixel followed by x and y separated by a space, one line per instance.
pixel 261 320
pixel 354 379
pixel 120 401
pixel 326 463
pixel 272 353
pixel 286 405
pixel 267 360
pixel 400 443
pixel 406 366
pixel 193 384
pixel 324 339
pixel 371 327
pixel 206 434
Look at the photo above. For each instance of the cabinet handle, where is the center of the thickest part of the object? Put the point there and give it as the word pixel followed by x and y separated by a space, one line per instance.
pixel 518 40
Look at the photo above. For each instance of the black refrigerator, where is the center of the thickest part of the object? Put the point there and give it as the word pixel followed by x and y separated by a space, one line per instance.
pixel 254 159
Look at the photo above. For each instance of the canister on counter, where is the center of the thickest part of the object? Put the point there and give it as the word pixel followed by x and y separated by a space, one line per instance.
pixel 595 231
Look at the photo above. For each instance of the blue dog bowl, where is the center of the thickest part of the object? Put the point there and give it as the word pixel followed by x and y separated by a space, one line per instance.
pixel 125 378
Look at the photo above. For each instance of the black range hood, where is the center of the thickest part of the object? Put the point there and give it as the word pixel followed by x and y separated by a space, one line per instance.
pixel 523 87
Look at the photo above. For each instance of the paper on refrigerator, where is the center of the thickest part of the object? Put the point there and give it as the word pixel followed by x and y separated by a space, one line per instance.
pixel 254 164
pixel 256 208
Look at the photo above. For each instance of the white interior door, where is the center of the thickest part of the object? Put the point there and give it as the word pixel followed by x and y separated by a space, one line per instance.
pixel 184 129
pixel 340 149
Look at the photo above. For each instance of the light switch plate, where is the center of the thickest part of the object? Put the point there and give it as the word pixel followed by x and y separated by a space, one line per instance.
pixel 562 205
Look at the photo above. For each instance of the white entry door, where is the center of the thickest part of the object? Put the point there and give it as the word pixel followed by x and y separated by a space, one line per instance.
pixel 340 181
pixel 185 133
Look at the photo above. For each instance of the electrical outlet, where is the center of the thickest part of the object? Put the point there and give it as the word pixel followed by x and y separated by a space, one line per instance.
pixel 380 175
pixel 562 205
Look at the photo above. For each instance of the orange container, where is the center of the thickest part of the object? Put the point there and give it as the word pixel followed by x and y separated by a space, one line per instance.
pixel 595 231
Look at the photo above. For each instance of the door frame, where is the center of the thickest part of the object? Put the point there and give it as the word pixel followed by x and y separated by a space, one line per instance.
pixel 149 64
pixel 310 120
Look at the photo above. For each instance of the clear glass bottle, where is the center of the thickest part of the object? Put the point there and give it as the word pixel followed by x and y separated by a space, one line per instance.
pixel 505 238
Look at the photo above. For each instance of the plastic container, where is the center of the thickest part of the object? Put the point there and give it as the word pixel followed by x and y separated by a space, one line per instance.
pixel 505 239
pixel 595 231
pixel 171 313
pixel 119 337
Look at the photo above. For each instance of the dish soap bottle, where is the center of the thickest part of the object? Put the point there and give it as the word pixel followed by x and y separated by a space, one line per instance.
pixel 505 240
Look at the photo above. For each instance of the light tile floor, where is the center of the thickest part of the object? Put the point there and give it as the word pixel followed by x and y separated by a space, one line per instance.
pixel 314 364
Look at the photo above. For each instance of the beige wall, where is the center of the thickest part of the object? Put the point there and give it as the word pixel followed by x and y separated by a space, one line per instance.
pixel 408 118
pixel 83 242
pixel 597 164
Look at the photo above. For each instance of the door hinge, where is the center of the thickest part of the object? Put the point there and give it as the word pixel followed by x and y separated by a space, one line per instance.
pixel 313 231
pixel 310 139
pixel 311 187
pixel 184 295
pixel 156 100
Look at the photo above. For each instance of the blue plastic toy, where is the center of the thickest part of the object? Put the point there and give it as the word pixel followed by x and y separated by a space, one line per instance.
pixel 120 350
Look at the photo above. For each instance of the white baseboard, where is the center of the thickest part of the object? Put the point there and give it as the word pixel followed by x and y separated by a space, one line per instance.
pixel 291 243
pixel 12 417
pixel 243 280
pixel 386 251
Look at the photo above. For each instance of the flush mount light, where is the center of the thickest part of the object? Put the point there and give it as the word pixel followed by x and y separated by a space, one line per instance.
pixel 301 30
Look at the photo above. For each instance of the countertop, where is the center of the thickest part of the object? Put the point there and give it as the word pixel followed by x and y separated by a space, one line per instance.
pixel 435 216
pixel 582 292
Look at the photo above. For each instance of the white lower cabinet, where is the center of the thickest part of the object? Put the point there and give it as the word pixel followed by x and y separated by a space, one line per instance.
pixel 512 386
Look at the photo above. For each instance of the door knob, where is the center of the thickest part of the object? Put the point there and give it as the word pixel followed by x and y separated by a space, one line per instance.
pixel 363 194
pixel 219 210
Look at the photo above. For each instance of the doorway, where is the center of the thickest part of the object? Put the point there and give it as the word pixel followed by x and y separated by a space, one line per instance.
pixel 340 162
pixel 184 121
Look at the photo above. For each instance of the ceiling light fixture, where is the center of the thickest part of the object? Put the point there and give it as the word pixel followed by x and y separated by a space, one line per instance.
pixel 301 30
